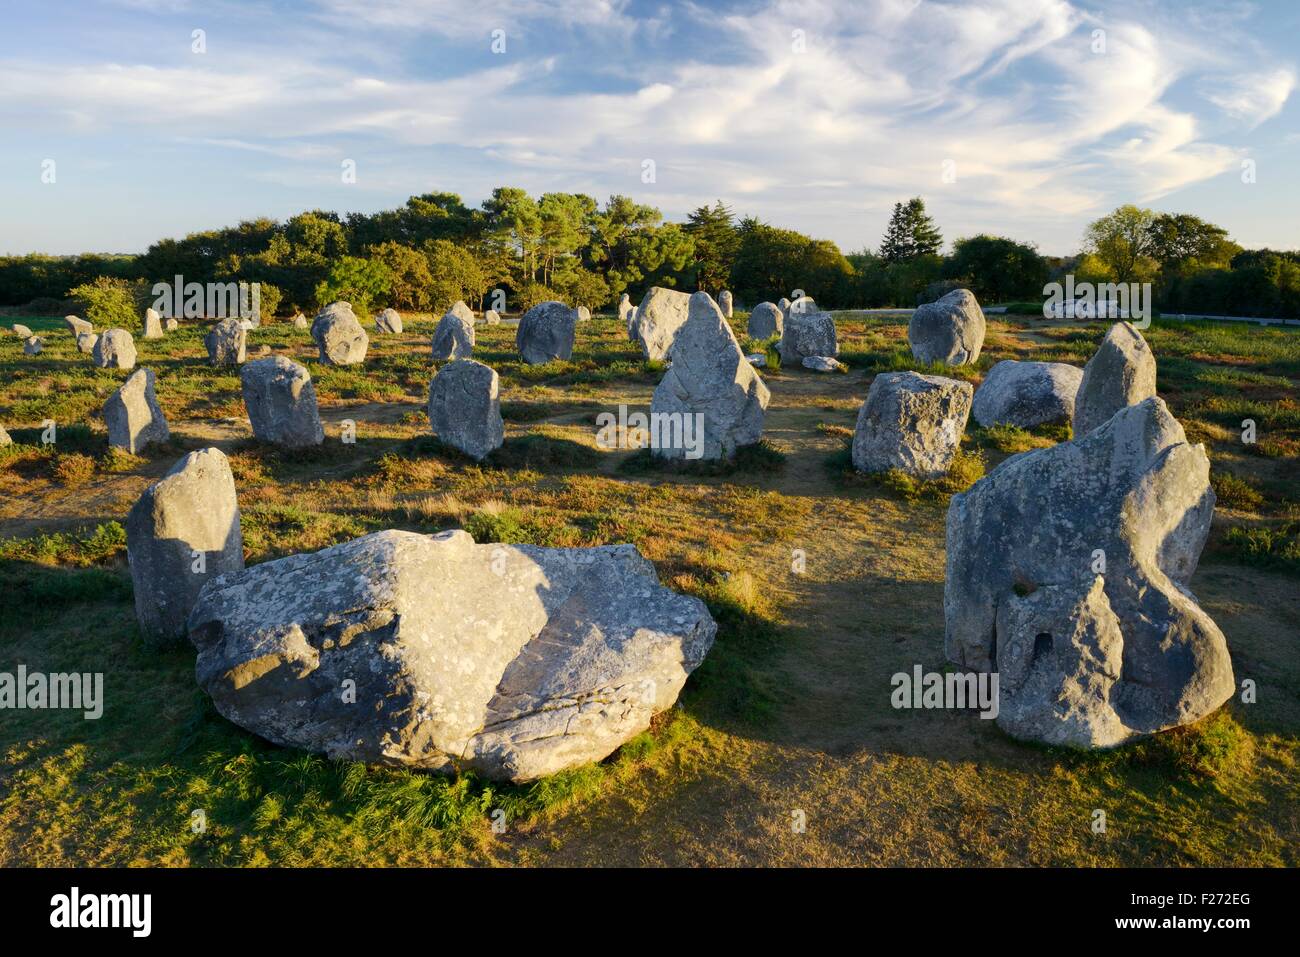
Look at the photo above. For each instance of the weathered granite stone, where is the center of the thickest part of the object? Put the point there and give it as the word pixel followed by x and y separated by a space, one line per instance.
pixel 765 321
pixel 949 330
pixel 388 321
pixel 133 415
pixel 911 422
pixel 465 407
pixel 808 334
pixel 1027 394
pixel 227 343
pixel 339 336
pixel 546 332
pixel 1122 372
pixel 661 313
pixel 115 349
pixel 281 403
pixel 454 337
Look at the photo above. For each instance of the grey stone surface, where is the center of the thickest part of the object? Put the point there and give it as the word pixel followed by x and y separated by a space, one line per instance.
pixel 822 364
pixel 1089 654
pixel 153 328
pixel 171 324
pixel 281 402
pixel 21 331
pixel 1122 372
pixel 339 336
pixel 584 314
pixel 626 312
pixel 949 330
pixel 661 313
pixel 33 346
pixel 465 407
pixel 183 531
pixel 710 376
pixel 4 438
pixel 115 349
pixel 133 415
pixel 460 309
pixel 808 334
pixel 491 318
pixel 546 332
pixel 802 304
pixel 1027 394
pixel 388 321
pixel 77 326
pixel 911 422
pixel 757 359
pixel 765 321
pixel 726 304
pixel 784 305
pixel 227 343
pixel 453 338
pixel 512 660
pixel 86 342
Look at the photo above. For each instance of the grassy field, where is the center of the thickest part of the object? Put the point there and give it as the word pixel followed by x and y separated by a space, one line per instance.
pixel 789 715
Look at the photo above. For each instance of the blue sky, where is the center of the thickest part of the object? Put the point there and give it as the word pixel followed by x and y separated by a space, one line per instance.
pixel 817 116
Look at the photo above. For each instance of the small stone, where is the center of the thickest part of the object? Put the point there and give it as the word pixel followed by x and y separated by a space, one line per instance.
pixel 86 342
pixel 949 330
pixel 152 324
pixel 725 303
pixel 33 345
pixel 1027 394
pixel 454 336
pixel 822 364
pixel 808 334
pixel 21 331
pixel 77 326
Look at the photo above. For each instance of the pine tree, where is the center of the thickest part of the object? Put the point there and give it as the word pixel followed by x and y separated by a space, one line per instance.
pixel 910 234
pixel 716 242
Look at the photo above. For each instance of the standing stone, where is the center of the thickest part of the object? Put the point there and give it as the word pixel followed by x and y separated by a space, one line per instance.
pixel 170 324
pixel 86 342
pixel 808 334
pixel 133 415
pixel 911 422
pixel 725 303
pixel 491 318
pixel 584 314
pixel 1027 394
pixel 949 330
pixel 460 309
pixel 115 349
pixel 300 321
pixel 465 408
pixel 388 321
pixel 281 403
pixel 21 331
pixel 33 345
pixel 454 336
pixel 766 321
pixel 339 336
pixel 227 343
pixel 1067 571
pixel 182 532
pixel 710 383
pixel 77 326
pixel 661 313
pixel 514 661
pixel 152 324
pixel 546 332
pixel 4 438
pixel 1121 373
pixel 802 305
pixel 784 305
pixel 625 313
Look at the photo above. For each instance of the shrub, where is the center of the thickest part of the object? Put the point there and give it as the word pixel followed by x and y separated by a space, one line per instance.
pixel 1233 492
pixel 361 282
pixel 74 469
pixel 107 302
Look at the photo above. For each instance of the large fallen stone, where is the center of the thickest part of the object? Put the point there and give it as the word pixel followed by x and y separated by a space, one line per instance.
pixel 1027 394
pixel 725 303
pixel 339 336
pixel 1122 372
pixel 709 384
pixel 432 652
pixel 661 313
pixel 453 338
pixel 153 328
pixel 765 321
pixel 1066 574
pixel 281 403
pixel 227 343
pixel 465 407
pixel 77 326
pixel 115 349
pixel 949 330
pixel 911 422
pixel 133 415
pixel 388 321
pixel 546 332
pixel 807 334
pixel 183 531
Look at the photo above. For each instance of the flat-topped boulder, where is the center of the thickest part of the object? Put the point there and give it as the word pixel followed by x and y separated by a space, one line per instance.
pixel 339 336
pixel 1067 572
pixel 765 321
pixel 911 422
pixel 546 332
pixel 808 334
pixel 281 403
pixel 1122 372
pixel 1027 394
pixel 453 338
pixel 227 343
pixel 133 415
pixel 661 313
pixel 465 407
pixel 183 531
pixel 949 330
pixel 514 661
pixel 114 349
pixel 710 386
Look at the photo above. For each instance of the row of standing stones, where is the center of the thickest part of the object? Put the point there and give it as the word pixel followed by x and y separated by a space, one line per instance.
pixel 555 657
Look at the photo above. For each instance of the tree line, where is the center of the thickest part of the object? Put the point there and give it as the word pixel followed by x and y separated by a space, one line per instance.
pixel 435 249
